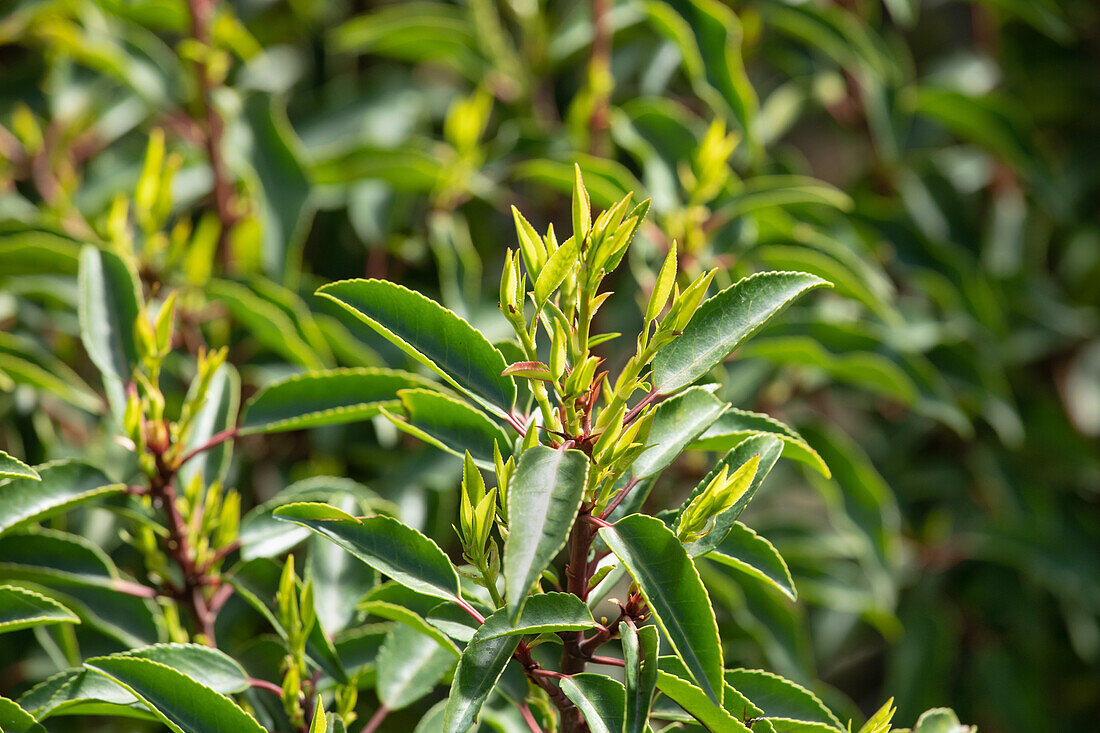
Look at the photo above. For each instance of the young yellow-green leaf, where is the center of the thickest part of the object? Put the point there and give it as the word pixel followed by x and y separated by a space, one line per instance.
pixel 61 485
pixel 109 308
pixel 662 288
pixel 783 700
pixel 530 244
pixel 749 552
pixel 672 681
pixel 676 422
pixel 557 268
pixel 768 448
pixel 409 665
pixel 328 397
pixel 641 647
pixel 734 425
pixel 544 495
pixel 180 701
pixel 482 663
pixel 582 207
pixel 388 546
pixel 12 467
pixel 723 322
pixel 941 720
pixel 320 721
pixel 21 608
pixel 218 412
pixel 600 698
pixel 450 424
pixel 543 613
pixel 431 334
pixel 14 719
pixel 674 592
pixel 395 612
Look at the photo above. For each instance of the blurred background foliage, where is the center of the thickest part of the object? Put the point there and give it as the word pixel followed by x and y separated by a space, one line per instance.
pixel 938 161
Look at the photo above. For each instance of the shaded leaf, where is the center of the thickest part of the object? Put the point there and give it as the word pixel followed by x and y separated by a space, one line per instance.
pixel 21 609
pixel 782 699
pixel 61 486
pixel 672 680
pixel 600 698
pixel 479 668
pixel 734 426
pixel 676 423
pixel 409 665
pixel 109 308
pixel 747 551
pixel 641 647
pixel 450 424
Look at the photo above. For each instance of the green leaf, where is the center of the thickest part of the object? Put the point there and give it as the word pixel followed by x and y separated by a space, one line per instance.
pixel 723 322
pixel 676 422
pixel 782 699
pixel 600 698
pixel 76 573
pixel 556 269
pixel 761 192
pixel 674 592
pixel 940 720
pixel 21 609
pixel 409 665
pixel 431 334
pixel 11 466
pixel 747 551
pixel 479 668
pixel 768 448
pixel 672 681
pixel 641 647
pixel 329 397
pixel 265 321
pixel 388 546
pixel 109 308
pixel 181 702
pixel 25 362
pixel 218 412
pixel 450 424
pixel 543 613
pixel 61 485
pixel 734 426
pixel 394 612
pixel 544 495
pixel 14 719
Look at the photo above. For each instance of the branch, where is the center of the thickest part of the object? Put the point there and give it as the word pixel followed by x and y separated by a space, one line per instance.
pixel 215 440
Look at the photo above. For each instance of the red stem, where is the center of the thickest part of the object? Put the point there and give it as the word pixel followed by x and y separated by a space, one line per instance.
pixel 376 720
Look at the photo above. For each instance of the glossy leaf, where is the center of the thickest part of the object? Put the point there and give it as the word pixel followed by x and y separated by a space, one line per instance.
pixel 672 681
pixel 450 424
pixel 431 334
pixel 12 467
pixel 641 647
pixel 409 665
pixel 600 698
pixel 21 609
pixel 479 668
pixel 747 551
pixel 765 446
pixel 109 306
pixel 782 699
pixel 14 719
pixel 723 322
pixel 395 612
pixel 181 702
pixel 61 486
pixel 671 586
pixel 544 495
pixel 391 548
pixel 734 426
pixel 557 268
pixel 327 397
pixel 542 613
pixel 676 423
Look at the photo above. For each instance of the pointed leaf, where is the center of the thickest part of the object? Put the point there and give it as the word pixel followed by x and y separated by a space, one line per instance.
pixel 451 424
pixel 600 698
pixel 481 665
pixel 12 467
pixel 328 397
pixel 409 665
pixel 544 495
pixel 394 612
pixel 724 322
pixel 14 719
pixel 671 586
pixel 21 609
pixel 556 269
pixel 218 412
pixel 431 334
pixel 61 486
pixel 641 648
pixel 180 701
pixel 735 425
pixel 672 681
pixel 768 448
pixel 676 422
pixel 388 546
pixel 749 552
pixel 543 613
pixel 109 308
pixel 782 699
